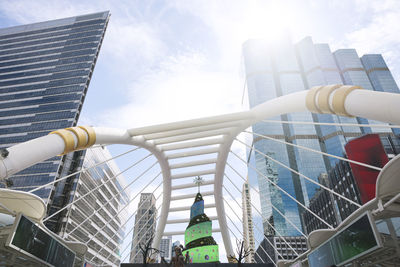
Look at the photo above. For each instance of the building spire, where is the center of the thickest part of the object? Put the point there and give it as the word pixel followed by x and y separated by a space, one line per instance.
pixel 198 181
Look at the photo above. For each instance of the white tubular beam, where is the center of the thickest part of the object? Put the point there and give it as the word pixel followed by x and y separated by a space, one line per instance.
pixel 186 220
pixel 116 136
pixel 180 138
pixel 193 153
pixel 190 144
pixel 190 185
pixel 191 174
pixel 113 136
pixel 193 163
pixel 281 105
pixel 218 197
pixel 190 123
pixel 206 206
pixel 214 230
pixel 208 193
pixel 380 106
pixel 191 130
pixel 26 154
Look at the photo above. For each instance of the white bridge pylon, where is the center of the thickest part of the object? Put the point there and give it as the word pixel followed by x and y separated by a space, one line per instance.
pixel 212 136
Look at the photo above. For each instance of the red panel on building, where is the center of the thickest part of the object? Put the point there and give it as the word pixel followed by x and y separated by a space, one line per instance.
pixel 366 149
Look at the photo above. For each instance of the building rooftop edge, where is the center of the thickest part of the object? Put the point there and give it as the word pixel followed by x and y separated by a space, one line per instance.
pixel 52 23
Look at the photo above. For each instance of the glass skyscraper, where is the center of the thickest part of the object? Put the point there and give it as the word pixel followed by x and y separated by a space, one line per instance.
pixel 102 232
pixel 280 68
pixel 45 70
pixel 145 226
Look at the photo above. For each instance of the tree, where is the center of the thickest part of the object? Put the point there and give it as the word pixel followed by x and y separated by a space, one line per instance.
pixel 242 251
pixel 148 251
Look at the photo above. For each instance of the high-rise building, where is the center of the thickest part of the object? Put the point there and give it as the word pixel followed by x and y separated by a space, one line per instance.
pixel 280 248
pixel 280 68
pixel 145 225
pixel 323 203
pixel 102 231
pixel 380 76
pixel 45 70
pixel 345 179
pixel 166 248
pixel 248 234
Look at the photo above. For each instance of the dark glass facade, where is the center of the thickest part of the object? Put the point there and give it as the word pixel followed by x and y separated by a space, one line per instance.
pixel 344 179
pixel 380 76
pixel 281 67
pixel 278 249
pixel 45 70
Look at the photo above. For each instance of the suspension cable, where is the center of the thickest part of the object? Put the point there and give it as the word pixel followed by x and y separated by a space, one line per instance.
pixel 263 234
pixel 130 201
pixel 242 223
pixel 335 124
pixel 283 215
pixel 256 226
pixel 138 177
pixel 117 194
pixel 304 176
pixel 93 206
pixel 241 233
pixel 125 236
pixel 255 252
pixel 130 243
pixel 82 170
pixel 100 185
pixel 286 193
pixel 266 221
pixel 259 230
pixel 316 151
pixel 264 237
pixel 141 217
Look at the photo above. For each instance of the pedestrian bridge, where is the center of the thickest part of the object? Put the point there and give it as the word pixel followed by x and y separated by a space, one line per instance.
pixel 177 147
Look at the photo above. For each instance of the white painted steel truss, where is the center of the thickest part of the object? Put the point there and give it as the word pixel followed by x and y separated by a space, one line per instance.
pixel 210 136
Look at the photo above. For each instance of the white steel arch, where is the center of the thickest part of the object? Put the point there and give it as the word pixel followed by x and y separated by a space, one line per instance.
pixel 205 136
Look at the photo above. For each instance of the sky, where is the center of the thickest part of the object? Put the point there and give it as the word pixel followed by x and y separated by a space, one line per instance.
pixel 164 61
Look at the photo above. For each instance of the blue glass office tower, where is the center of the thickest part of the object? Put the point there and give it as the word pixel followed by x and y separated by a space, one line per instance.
pixel 380 76
pixel 279 68
pixel 45 70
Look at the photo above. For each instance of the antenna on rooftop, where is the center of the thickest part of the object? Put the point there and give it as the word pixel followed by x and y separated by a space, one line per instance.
pixel 198 181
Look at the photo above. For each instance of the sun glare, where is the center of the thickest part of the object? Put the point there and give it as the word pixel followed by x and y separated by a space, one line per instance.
pixel 269 21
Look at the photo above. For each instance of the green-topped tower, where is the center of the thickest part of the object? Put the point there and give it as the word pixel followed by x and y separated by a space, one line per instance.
pixel 199 242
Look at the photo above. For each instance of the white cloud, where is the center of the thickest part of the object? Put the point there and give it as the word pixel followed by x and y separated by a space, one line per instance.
pixel 129 45
pixel 182 88
pixel 27 11
pixel 380 35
